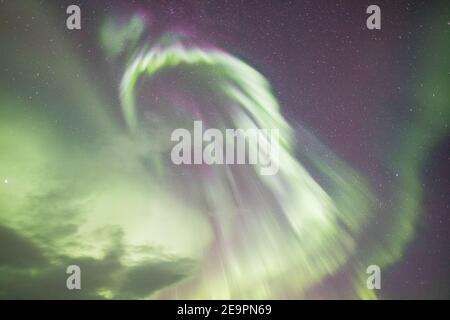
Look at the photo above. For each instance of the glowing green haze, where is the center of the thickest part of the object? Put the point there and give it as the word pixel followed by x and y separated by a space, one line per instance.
pixel 86 176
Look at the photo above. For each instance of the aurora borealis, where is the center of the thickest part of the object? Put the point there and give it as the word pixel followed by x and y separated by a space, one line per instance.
pixel 86 178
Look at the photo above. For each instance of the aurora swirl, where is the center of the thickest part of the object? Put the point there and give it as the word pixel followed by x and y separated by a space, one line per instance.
pixel 87 176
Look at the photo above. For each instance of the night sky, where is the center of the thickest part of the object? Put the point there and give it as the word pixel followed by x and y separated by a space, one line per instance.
pixel 365 114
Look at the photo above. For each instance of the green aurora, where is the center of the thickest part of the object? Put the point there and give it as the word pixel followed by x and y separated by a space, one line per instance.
pixel 88 182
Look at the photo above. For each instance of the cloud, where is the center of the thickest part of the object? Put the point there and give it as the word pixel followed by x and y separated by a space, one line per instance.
pixel 18 251
pixel 145 279
pixel 28 271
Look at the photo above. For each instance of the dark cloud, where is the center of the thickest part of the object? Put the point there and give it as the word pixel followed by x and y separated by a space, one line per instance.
pixel 50 282
pixel 142 280
pixel 27 273
pixel 18 251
